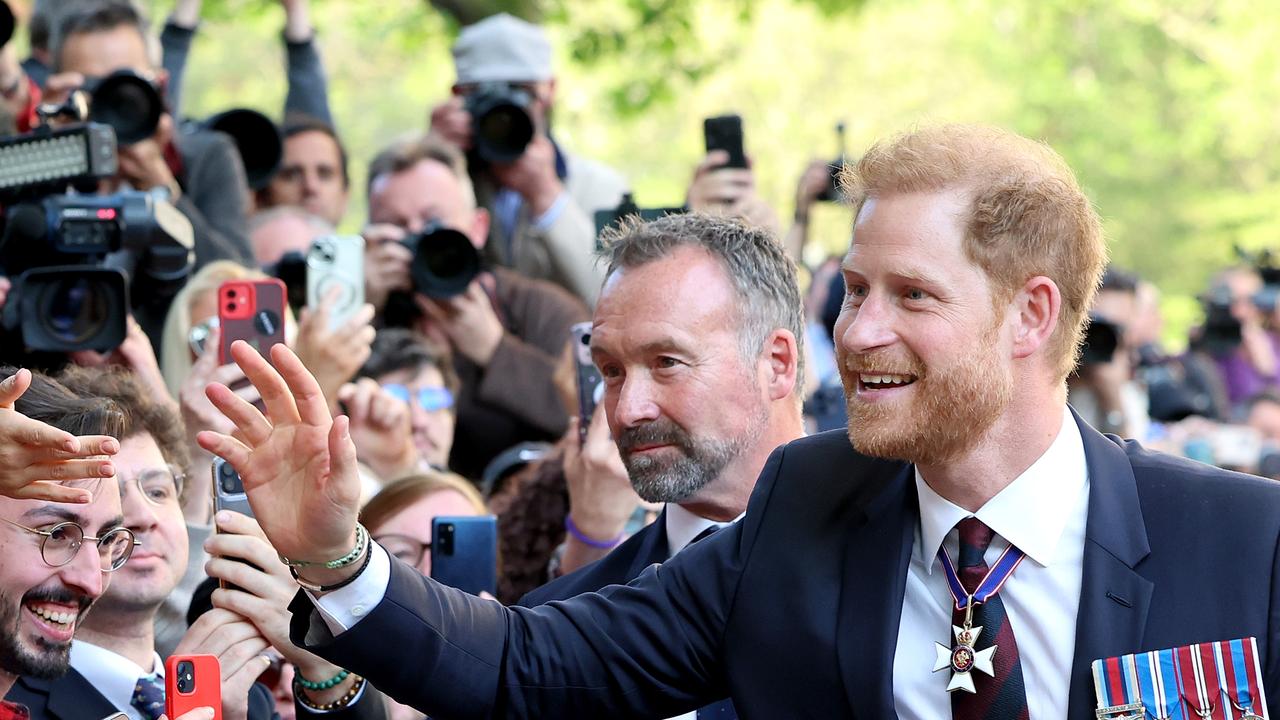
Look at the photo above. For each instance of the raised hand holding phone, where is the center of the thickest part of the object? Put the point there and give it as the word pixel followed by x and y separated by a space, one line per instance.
pixel 298 468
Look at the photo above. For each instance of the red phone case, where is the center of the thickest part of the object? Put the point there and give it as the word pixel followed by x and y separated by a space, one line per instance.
pixel 207 691
pixel 253 311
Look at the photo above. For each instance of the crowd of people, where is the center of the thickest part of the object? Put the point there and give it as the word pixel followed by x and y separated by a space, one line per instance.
pixel 710 355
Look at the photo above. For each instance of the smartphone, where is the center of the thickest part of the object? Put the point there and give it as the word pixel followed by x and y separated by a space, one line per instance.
pixel 464 553
pixel 590 384
pixel 228 489
pixel 190 682
pixel 253 311
pixel 336 261
pixel 725 133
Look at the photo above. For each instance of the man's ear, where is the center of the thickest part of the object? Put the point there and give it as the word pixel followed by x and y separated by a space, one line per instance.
pixel 781 354
pixel 1037 306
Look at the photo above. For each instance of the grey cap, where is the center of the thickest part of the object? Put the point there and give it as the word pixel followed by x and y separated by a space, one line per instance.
pixel 502 48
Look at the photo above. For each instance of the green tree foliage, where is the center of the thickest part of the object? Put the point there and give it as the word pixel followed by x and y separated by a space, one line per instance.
pixel 1165 108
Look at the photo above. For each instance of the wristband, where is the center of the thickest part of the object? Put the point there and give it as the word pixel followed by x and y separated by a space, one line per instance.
pixel 362 539
pixel 306 585
pixel 338 704
pixel 597 544
pixel 325 684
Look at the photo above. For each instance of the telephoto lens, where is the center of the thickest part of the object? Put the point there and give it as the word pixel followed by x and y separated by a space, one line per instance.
pixel 444 262
pixel 127 102
pixel 501 125
pixel 6 23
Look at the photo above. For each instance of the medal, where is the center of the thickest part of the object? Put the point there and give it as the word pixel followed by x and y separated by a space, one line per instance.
pixel 962 657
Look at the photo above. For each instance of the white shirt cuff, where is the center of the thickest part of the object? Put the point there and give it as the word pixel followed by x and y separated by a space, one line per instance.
pixel 553 213
pixel 346 606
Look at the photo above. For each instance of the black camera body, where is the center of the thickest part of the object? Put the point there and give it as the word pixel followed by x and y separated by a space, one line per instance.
pixel 1221 333
pixel 444 261
pixel 501 122
pixel 1101 340
pixel 73 258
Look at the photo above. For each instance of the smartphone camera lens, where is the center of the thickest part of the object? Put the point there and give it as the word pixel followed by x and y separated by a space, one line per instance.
pixel 186 677
pixel 586 339
pixel 446 538
pixel 231 292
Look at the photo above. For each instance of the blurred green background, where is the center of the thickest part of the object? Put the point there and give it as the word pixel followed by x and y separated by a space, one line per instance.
pixel 1166 109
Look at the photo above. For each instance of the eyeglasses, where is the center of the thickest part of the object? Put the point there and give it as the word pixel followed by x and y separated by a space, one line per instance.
pixel 199 334
pixel 428 398
pixel 404 547
pixel 62 543
pixel 159 486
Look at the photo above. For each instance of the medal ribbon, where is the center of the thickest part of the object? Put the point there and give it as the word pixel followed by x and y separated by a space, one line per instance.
pixel 990 585
pixel 1237 661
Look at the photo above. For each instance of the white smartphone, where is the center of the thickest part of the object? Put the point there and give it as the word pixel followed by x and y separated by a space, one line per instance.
pixel 336 261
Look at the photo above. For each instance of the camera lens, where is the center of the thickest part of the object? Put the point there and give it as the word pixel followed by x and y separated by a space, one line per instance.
pixel 586 339
pixel 74 310
pixel 129 104
pixel 444 262
pixel 186 676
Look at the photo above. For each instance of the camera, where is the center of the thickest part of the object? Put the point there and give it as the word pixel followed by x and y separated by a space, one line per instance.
pixel 444 261
pixel 76 260
pixel 627 208
pixel 229 480
pixel 444 541
pixel 832 192
pixel 1221 333
pixel 1101 339
pixel 186 676
pixel 6 23
pixel 126 101
pixel 501 124
pixel 257 140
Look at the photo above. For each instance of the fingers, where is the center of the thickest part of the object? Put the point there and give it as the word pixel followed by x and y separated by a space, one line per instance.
pixel 35 435
pixel 246 418
pixel 241 657
pixel 49 491
pixel 262 612
pixel 90 445
pixel 225 447
pixel 251 579
pixel 598 432
pixel 307 400
pixel 193 642
pixel 273 388
pixel 200 713
pixel 68 470
pixel 230 521
pixel 342 451
pixel 14 386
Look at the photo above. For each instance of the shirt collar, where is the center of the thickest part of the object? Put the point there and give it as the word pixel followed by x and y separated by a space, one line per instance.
pixel 683 526
pixel 111 674
pixel 1031 512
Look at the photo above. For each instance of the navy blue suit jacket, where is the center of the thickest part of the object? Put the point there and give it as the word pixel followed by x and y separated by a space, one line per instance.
pixel 646 547
pixel 794 610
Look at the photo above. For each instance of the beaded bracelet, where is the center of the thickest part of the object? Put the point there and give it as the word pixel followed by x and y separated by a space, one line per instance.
pixel 338 704
pixel 323 685
pixel 597 544
pixel 308 585
pixel 362 537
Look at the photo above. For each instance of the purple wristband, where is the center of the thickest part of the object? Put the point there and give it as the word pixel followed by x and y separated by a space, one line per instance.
pixel 597 544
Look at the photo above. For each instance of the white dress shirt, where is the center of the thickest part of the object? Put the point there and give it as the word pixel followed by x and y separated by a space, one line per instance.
pixel 113 675
pixel 1043 513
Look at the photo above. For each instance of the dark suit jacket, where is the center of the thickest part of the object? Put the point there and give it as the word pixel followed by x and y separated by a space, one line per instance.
pixel 794 610
pixel 620 566
pixel 71 697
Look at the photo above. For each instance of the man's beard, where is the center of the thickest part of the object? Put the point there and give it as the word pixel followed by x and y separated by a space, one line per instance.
pixel 49 660
pixel 659 479
pixel 951 407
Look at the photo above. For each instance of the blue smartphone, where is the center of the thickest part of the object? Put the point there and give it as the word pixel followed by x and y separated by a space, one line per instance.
pixel 464 553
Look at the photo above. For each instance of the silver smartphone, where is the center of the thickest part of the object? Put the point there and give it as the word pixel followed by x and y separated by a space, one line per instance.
pixel 336 261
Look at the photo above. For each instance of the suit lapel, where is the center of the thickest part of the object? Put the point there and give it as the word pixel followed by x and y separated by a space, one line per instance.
pixel 653 548
pixel 877 555
pixel 71 697
pixel 1114 598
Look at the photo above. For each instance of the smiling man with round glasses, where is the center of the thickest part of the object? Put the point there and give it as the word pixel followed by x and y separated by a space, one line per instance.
pixel 48 578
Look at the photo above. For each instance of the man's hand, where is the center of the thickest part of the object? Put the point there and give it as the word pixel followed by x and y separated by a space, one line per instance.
pixel 601 498
pixel 451 122
pixel 238 646
pixel 299 467
pixel 136 354
pixel 533 175
pixel 36 459
pixel 386 263
pixel 334 356
pixel 716 188
pixel 186 14
pixel 468 320
pixel 380 427
pixel 198 413
pixel 143 163
pixel 813 182
pixel 297 20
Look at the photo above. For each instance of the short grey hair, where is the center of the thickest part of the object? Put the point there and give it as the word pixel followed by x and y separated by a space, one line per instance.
pixel 406 154
pixel 762 274
pixel 65 18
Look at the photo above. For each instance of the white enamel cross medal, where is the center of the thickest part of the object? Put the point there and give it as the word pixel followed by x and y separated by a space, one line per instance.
pixel 963 659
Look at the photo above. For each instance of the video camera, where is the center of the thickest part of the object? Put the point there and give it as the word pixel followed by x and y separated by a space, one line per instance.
pixel 1221 333
pixel 75 260
pixel 1101 340
pixel 832 192
pixel 501 123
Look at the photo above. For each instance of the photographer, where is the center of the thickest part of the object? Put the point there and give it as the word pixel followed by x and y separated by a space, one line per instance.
pixel 505 331
pixel 200 170
pixel 1235 334
pixel 542 198
pixel 1103 389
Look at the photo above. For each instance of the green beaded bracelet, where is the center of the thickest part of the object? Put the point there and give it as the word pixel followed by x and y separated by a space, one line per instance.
pixel 342 675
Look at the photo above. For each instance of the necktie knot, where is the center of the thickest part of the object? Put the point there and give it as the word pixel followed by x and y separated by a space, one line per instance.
pixel 148 696
pixel 975 538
